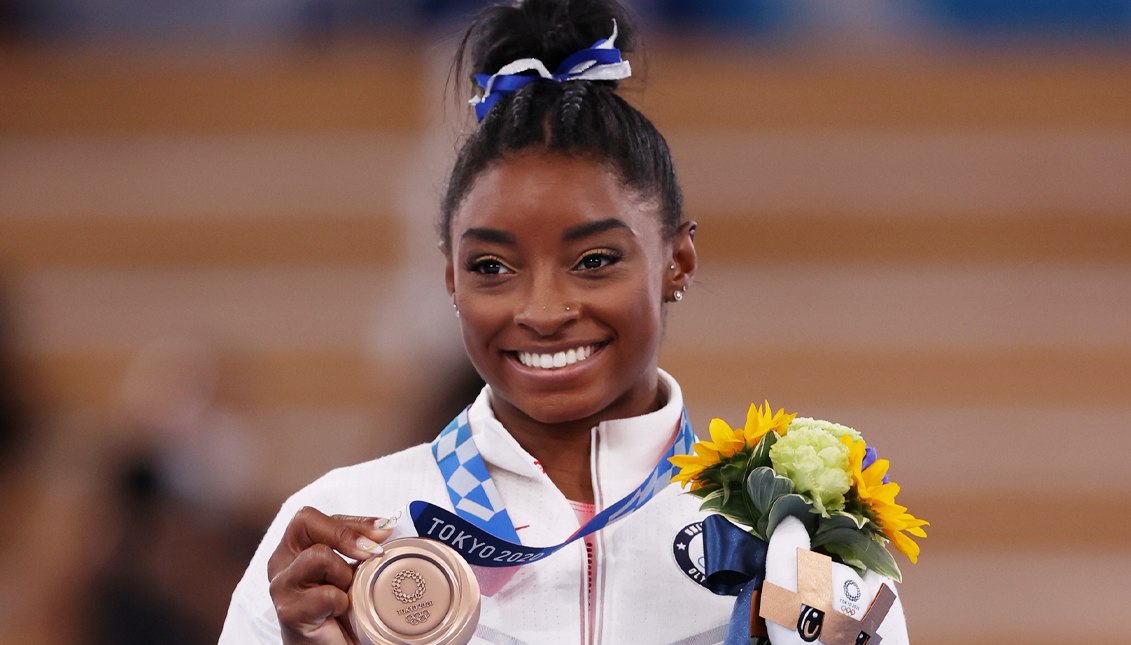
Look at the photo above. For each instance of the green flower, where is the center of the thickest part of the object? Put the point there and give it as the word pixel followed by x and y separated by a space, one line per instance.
pixel 817 464
pixel 835 429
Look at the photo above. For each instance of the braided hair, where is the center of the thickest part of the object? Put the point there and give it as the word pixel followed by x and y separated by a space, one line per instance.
pixel 578 118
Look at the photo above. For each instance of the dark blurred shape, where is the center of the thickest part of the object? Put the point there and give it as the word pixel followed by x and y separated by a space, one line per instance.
pixel 129 607
pixel 13 412
pixel 1036 17
pixel 11 19
pixel 746 16
pixel 451 8
pixel 22 20
pixel 173 566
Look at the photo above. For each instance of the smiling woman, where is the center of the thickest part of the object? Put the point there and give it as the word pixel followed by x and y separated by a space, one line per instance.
pixel 553 259
pixel 565 242
pixel 552 255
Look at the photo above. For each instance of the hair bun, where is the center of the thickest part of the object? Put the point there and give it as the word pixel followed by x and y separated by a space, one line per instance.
pixel 549 30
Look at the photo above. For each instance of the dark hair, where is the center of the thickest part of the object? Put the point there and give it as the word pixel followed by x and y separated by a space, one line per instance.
pixel 576 118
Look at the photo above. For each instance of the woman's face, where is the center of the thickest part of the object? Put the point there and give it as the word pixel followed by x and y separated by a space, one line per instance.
pixel 560 276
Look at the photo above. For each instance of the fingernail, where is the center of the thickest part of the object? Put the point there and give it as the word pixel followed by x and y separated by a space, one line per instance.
pixel 385 522
pixel 369 546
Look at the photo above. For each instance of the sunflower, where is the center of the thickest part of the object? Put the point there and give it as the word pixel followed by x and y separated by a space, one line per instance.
pixel 880 498
pixel 761 421
pixel 726 441
pixel 691 466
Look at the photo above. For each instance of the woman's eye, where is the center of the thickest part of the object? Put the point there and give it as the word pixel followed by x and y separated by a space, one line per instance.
pixel 597 260
pixel 489 266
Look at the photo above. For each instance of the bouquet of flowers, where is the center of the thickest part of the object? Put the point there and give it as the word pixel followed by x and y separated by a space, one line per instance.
pixel 822 473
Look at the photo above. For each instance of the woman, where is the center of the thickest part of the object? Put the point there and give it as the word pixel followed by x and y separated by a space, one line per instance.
pixel 565 239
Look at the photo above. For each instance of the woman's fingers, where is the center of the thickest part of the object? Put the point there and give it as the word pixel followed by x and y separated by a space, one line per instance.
pixel 309 579
pixel 354 537
pixel 308 610
pixel 315 566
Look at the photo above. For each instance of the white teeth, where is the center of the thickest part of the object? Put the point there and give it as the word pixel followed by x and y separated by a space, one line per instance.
pixel 560 359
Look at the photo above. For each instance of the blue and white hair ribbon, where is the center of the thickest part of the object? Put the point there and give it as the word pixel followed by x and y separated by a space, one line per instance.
pixel 601 62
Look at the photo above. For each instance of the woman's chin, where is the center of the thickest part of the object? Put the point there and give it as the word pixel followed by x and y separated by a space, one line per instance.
pixel 552 408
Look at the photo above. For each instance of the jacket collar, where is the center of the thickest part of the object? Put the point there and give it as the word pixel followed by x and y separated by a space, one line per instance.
pixel 624 450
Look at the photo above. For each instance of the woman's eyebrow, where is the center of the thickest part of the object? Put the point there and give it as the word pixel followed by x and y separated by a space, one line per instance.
pixel 592 228
pixel 489 235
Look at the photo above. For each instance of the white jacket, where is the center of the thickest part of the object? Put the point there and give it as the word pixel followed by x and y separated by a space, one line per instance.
pixel 643 595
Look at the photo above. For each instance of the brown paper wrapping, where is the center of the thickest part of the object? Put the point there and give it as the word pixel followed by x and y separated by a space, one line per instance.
pixel 810 610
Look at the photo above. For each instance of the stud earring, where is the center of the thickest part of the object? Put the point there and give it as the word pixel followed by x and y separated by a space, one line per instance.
pixel 456 307
pixel 683 288
pixel 678 295
pixel 672 267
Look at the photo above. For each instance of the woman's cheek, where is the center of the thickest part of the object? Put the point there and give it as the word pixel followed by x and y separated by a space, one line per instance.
pixel 479 324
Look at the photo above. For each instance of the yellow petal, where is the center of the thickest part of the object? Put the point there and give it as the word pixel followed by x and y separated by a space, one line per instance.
pixel 904 545
pixel 720 431
pixel 874 474
pixel 723 438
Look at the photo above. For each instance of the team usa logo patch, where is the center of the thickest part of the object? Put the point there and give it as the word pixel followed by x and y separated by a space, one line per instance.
pixel 688 551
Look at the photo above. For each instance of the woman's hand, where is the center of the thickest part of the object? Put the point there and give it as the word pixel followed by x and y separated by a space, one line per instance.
pixel 309 580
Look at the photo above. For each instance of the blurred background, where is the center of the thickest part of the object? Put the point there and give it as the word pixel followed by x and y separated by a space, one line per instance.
pixel 219 279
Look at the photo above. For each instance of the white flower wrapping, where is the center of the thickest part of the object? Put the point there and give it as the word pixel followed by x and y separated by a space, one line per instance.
pixel 851 593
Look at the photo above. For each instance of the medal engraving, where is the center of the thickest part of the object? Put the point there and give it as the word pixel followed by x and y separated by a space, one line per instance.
pixel 418 592
pixel 399 593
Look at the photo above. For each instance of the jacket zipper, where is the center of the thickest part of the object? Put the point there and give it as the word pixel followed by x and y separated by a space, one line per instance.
pixel 594 569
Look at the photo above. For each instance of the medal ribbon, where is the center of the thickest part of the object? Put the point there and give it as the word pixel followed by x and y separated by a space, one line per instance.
pixel 481 530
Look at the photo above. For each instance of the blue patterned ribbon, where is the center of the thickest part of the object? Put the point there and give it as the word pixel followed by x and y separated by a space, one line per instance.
pixel 601 62
pixel 735 564
pixel 481 530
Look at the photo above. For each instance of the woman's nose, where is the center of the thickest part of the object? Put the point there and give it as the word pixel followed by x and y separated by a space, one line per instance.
pixel 546 311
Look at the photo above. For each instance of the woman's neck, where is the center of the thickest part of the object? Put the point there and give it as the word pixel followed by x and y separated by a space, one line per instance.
pixel 563 449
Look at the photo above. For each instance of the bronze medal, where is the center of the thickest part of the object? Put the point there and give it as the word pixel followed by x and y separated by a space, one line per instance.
pixel 418 592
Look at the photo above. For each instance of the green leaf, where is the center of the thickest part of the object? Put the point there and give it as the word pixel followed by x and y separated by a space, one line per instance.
pixel 845 555
pixel 878 559
pixel 838 520
pixel 867 551
pixel 732 507
pixel 704 491
pixel 733 472
pixel 765 487
pixel 760 529
pixel 761 454
pixel 792 505
pixel 849 536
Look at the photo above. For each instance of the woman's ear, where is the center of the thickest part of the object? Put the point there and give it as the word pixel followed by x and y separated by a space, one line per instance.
pixel 684 260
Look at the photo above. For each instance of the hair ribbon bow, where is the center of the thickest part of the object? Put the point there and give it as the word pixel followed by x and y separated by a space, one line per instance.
pixel 601 62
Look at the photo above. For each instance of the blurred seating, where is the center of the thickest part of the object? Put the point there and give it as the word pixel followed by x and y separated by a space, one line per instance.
pixel 1035 17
